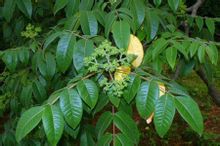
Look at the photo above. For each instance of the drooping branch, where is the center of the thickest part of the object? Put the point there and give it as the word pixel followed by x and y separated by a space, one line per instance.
pixel 194 8
pixel 212 89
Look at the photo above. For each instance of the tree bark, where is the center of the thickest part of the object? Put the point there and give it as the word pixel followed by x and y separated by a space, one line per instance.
pixel 213 91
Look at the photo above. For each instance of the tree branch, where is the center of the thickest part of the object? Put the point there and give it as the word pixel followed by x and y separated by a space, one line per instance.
pixel 194 8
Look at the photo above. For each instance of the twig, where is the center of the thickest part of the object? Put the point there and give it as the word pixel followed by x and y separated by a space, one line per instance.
pixel 76 34
pixel 144 78
pixel 69 87
pixel 194 8
pixel 86 77
pixel 113 126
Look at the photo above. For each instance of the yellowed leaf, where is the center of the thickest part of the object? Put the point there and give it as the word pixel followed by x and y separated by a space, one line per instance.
pixel 121 72
pixel 135 47
pixel 149 120
pixel 162 89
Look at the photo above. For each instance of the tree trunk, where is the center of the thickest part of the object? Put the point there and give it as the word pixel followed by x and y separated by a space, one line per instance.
pixel 212 89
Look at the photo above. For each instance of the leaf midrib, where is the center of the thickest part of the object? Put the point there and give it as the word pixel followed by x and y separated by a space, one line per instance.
pixel 30 119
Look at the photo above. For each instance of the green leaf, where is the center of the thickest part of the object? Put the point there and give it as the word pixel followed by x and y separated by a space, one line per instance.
pixel 39 91
pixel 55 96
pixel 6 31
pixel 10 59
pixel 51 38
pixel 123 140
pixel 8 9
pixel 53 124
pixel 86 139
pixel 88 91
pixel 171 54
pixel 215 54
pixel 121 34
pixel 146 98
pixel 187 68
pixel 34 63
pixel 110 19
pixel 72 132
pixel 72 7
pixel 102 102
pixel 174 4
pixel 41 63
pixel 50 65
pixel 59 4
pixel 193 48
pixel 132 88
pixel 88 23
pixel 114 100
pixel 23 55
pixel 212 52
pixel 129 20
pixel 103 123
pixel 125 107
pixel 71 106
pixel 199 22
pixel 151 24
pixel 177 89
pixel 26 95
pixel 190 20
pixel 190 112
pixel 127 126
pixel 86 5
pixel 28 121
pixel 157 65
pixel 201 53
pixel 138 10
pixel 186 45
pixel 157 2
pixel 164 114
pixel 105 140
pixel 181 48
pixel 83 48
pixel 210 23
pixel 159 46
pixel 64 51
pixel 25 6
pixel 72 23
pixel 47 64
pixel 100 16
pixel 125 11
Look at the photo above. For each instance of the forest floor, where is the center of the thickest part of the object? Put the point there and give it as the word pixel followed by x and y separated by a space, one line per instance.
pixel 180 134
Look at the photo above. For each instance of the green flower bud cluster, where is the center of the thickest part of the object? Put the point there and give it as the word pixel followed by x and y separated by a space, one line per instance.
pixel 115 87
pixel 107 59
pixel 182 9
pixel 31 31
pixel 112 1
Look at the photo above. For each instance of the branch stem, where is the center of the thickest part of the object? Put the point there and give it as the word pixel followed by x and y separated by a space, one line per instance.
pixel 113 126
pixel 194 8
